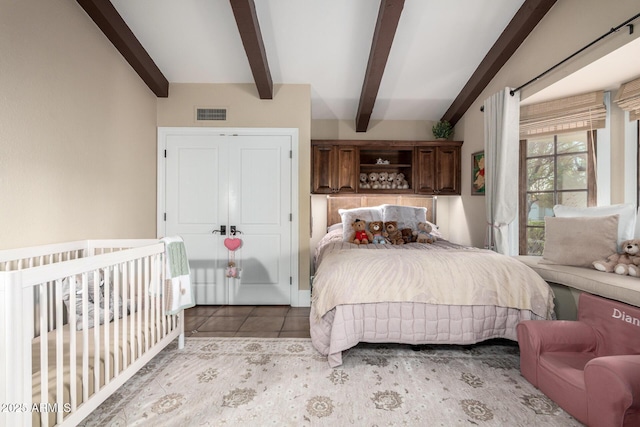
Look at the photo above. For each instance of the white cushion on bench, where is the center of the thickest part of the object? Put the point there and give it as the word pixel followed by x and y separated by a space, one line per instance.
pixel 609 285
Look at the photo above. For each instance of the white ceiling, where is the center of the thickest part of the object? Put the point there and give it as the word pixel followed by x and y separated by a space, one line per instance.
pixel 326 44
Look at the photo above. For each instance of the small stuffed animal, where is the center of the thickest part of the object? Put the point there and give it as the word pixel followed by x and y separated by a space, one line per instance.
pixel 376 228
pixel 364 180
pixel 625 263
pixel 392 180
pixel 423 235
pixel 383 179
pixel 401 183
pixel 360 233
pixel 373 180
pixel 407 235
pixel 392 234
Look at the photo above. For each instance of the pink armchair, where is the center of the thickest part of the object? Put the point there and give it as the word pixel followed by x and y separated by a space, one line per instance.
pixel 589 367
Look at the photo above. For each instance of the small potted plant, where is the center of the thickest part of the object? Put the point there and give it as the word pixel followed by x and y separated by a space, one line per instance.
pixel 442 130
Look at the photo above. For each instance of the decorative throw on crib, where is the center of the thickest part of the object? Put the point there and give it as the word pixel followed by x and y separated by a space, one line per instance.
pixel 177 287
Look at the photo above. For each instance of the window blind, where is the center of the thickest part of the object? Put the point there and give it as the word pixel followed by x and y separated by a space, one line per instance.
pixel 579 112
pixel 628 98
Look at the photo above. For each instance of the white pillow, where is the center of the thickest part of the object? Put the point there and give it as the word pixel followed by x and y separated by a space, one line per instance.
pixel 407 216
pixel 626 223
pixel 349 216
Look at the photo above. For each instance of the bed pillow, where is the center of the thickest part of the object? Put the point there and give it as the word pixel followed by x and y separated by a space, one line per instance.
pixel 407 216
pixel 626 224
pixel 579 241
pixel 349 216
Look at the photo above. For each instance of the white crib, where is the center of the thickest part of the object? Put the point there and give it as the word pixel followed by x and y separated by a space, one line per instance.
pixel 45 344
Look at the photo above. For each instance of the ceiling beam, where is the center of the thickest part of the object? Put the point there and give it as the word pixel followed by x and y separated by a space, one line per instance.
pixel 388 17
pixel 118 32
pixel 523 22
pixel 247 21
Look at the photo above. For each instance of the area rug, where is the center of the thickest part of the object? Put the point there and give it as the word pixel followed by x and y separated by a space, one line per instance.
pixel 286 382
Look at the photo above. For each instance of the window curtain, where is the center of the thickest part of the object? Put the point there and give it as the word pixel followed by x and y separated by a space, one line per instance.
pixel 628 98
pixel 501 146
pixel 574 113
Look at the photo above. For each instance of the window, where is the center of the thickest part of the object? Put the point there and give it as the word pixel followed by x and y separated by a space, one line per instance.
pixel 554 169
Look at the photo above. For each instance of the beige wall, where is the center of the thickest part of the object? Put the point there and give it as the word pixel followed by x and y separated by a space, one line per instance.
pixel 289 108
pixel 77 131
pixel 570 25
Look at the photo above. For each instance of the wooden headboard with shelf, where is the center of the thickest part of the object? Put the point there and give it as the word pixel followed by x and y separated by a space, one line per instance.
pixel 350 202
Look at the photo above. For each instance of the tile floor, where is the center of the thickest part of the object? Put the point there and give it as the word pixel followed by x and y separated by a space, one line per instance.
pixel 270 321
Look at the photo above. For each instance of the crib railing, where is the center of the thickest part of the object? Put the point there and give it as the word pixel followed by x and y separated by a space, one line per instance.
pixel 59 362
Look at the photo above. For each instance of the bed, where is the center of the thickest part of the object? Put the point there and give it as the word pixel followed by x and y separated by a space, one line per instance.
pixel 416 293
pixel 78 320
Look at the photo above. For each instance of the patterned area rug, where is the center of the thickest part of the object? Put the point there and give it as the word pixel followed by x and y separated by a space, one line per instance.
pixel 286 382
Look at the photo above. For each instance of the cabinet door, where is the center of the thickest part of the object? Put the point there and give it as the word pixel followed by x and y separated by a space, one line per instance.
pixel 346 171
pixel 448 170
pixel 438 170
pixel 425 172
pixel 334 169
pixel 323 163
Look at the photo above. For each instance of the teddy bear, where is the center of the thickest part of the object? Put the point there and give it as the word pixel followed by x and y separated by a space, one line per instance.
pixel 360 233
pixel 392 234
pixel 423 235
pixel 373 180
pixel 383 179
pixel 392 180
pixel 624 263
pixel 377 228
pixel 364 180
pixel 401 182
pixel 407 235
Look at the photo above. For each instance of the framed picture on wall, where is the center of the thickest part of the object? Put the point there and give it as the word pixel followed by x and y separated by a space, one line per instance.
pixel 477 173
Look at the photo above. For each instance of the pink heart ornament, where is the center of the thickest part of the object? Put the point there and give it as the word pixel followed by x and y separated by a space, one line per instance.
pixel 232 243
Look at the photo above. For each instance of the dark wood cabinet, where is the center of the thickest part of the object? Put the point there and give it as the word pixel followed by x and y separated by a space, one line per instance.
pixel 334 169
pixel 426 167
pixel 437 170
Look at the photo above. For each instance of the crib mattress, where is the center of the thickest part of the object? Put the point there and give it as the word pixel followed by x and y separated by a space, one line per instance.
pixel 131 348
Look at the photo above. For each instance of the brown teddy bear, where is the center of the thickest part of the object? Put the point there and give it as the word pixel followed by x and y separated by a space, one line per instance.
pixel 377 228
pixel 625 263
pixel 392 234
pixel 423 235
pixel 407 235
pixel 360 232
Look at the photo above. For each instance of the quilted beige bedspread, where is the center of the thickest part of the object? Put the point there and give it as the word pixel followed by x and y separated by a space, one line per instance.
pixel 441 273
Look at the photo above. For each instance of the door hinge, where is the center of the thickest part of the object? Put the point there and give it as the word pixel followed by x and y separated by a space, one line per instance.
pixel 290 217
pixel 291 154
pixel 290 280
pixel 165 216
pixel 165 154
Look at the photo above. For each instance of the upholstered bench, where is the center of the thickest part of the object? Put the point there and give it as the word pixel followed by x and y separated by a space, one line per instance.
pixel 569 282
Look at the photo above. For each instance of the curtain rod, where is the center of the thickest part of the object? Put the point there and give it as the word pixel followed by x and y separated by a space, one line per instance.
pixel 611 31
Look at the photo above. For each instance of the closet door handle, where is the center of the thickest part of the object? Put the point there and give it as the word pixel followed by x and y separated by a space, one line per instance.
pixel 223 230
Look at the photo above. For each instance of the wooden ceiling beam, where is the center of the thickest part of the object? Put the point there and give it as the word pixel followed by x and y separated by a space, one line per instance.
pixel 386 25
pixel 247 21
pixel 107 18
pixel 522 23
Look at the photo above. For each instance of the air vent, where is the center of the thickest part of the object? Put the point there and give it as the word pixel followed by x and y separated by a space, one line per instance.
pixel 211 114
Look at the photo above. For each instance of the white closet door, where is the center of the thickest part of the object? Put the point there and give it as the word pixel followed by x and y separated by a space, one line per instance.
pixel 260 207
pixel 245 181
pixel 196 177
